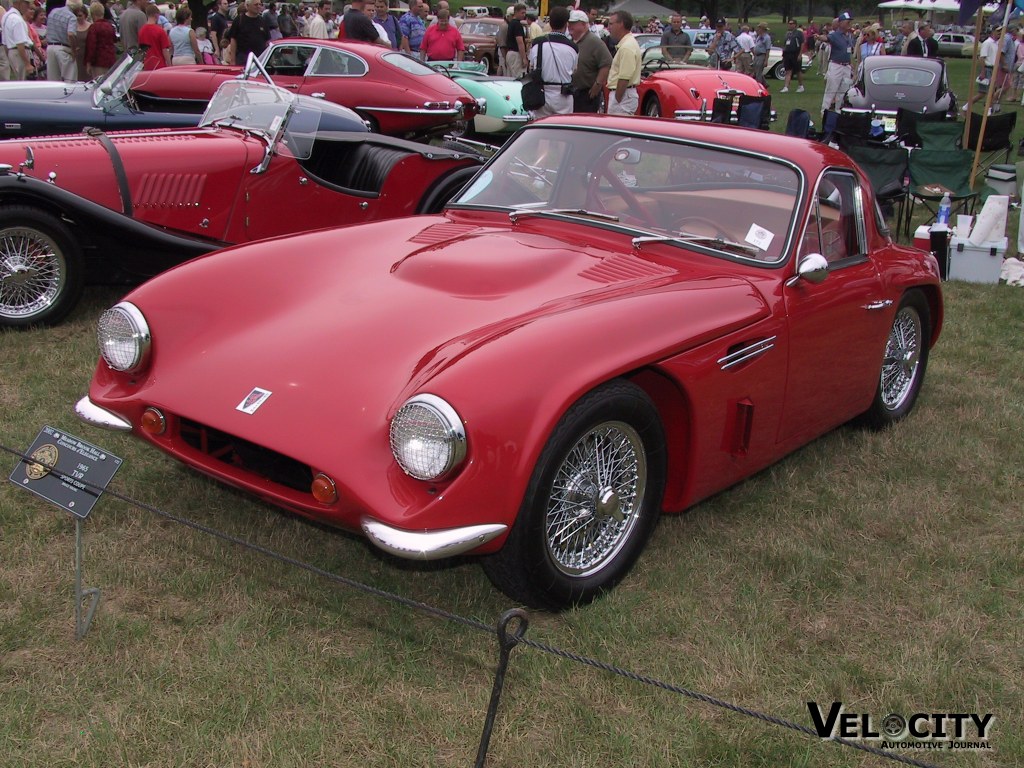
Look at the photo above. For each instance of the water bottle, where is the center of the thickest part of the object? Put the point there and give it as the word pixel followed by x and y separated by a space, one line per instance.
pixel 945 205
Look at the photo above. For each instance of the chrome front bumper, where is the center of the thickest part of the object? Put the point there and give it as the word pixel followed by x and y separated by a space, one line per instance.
pixel 429 545
pixel 91 413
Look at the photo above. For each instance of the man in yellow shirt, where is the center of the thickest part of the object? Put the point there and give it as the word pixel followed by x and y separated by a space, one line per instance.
pixel 625 72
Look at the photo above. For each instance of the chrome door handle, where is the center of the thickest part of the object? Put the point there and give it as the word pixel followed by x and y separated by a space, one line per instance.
pixel 878 304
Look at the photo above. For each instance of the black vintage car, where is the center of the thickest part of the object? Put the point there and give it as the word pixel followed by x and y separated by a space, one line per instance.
pixel 109 103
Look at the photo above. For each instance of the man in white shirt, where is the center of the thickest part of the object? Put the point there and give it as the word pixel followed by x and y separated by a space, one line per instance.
pixel 745 59
pixel 316 25
pixel 16 40
pixel 558 56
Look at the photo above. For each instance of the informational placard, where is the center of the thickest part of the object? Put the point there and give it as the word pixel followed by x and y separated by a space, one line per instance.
pixel 66 471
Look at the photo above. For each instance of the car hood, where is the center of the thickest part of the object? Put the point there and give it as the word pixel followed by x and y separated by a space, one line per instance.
pixel 343 325
pixel 39 90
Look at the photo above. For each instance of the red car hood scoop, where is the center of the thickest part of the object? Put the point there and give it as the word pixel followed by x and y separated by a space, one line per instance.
pixel 456 262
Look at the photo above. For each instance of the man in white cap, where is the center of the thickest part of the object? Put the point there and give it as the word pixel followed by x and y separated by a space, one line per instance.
pixel 840 72
pixel 592 65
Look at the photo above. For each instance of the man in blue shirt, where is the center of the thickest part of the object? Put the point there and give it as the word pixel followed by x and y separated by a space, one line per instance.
pixel 413 27
pixel 840 73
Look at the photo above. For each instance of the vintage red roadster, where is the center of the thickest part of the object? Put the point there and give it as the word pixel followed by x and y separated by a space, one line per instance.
pixel 688 92
pixel 397 94
pixel 616 319
pixel 263 162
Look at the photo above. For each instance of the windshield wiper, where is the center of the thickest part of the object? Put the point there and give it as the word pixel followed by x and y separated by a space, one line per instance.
pixel 227 122
pixel 514 215
pixel 686 239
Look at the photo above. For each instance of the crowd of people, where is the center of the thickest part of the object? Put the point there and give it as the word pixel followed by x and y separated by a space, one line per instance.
pixel 78 40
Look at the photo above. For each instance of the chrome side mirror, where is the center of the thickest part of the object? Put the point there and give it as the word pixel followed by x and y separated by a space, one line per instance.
pixel 813 268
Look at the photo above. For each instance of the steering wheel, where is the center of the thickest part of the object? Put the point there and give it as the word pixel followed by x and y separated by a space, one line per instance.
pixel 442 69
pixel 636 208
pixel 695 225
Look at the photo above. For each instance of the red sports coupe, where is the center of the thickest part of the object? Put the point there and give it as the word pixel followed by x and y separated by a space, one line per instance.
pixel 396 94
pixel 688 92
pixel 262 163
pixel 618 318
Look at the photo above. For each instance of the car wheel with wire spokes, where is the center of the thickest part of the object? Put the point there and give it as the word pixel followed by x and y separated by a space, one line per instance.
pixel 652 107
pixel 592 502
pixel 903 364
pixel 41 271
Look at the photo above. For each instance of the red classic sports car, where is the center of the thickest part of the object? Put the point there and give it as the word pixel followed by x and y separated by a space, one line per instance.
pixel 398 95
pixel 262 163
pixel 690 93
pixel 619 317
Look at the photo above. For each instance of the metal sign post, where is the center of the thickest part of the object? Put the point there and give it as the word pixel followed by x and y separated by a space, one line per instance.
pixel 72 474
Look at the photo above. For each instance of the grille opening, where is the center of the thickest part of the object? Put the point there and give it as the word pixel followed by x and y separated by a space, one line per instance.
pixel 250 457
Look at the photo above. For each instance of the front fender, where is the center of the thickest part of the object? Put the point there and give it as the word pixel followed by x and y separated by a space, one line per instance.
pixel 138 248
pixel 512 389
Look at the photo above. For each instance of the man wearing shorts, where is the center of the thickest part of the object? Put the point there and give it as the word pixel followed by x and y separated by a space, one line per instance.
pixel 791 56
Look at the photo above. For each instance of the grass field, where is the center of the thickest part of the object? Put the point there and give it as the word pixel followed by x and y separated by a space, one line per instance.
pixel 883 570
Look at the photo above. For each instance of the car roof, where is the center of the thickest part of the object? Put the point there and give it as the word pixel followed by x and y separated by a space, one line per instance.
pixel 902 62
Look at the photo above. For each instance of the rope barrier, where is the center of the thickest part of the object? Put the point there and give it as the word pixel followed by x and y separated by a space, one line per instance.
pixel 510 631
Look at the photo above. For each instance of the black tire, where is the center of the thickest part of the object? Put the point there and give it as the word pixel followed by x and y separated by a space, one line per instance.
pixel 444 190
pixel 41 269
pixel 613 504
pixel 652 107
pixel 491 69
pixel 779 71
pixel 903 364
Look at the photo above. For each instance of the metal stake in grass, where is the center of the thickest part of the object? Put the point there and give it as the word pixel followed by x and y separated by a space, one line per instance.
pixel 507 640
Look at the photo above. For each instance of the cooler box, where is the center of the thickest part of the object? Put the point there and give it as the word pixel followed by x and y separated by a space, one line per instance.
pixel 1003 179
pixel 976 263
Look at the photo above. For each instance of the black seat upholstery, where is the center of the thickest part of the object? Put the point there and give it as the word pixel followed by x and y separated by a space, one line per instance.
pixel 359 166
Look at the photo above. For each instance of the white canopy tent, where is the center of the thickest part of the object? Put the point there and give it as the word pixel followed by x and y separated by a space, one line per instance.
pixel 929 8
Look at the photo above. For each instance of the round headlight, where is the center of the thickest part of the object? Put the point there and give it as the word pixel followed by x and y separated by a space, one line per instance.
pixel 123 337
pixel 427 437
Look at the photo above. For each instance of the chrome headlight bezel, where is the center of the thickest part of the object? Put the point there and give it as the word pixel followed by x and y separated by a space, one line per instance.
pixel 436 427
pixel 123 337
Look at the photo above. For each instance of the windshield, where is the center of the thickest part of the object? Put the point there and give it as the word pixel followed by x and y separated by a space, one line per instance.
pixel 719 198
pixel 115 84
pixel 266 110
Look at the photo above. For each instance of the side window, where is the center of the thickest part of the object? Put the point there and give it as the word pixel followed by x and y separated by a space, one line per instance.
pixel 332 62
pixel 289 60
pixel 835 225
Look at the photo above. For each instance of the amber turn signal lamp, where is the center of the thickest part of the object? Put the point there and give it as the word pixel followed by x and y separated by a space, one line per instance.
pixel 153 421
pixel 323 489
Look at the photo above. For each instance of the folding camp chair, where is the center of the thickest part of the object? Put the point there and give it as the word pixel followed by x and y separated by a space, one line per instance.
pixel 754 112
pixel 721 110
pixel 996 142
pixel 886 167
pixel 944 135
pixel 907 122
pixel 933 173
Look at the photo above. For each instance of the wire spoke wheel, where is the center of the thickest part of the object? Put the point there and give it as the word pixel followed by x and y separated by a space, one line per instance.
pixel 902 358
pixel 904 361
pixel 32 272
pixel 41 268
pixel 592 502
pixel 592 508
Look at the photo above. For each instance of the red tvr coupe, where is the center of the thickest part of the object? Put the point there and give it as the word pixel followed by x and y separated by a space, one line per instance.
pixel 618 318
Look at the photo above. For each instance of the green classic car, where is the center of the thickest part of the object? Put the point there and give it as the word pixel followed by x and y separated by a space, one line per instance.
pixel 501 100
